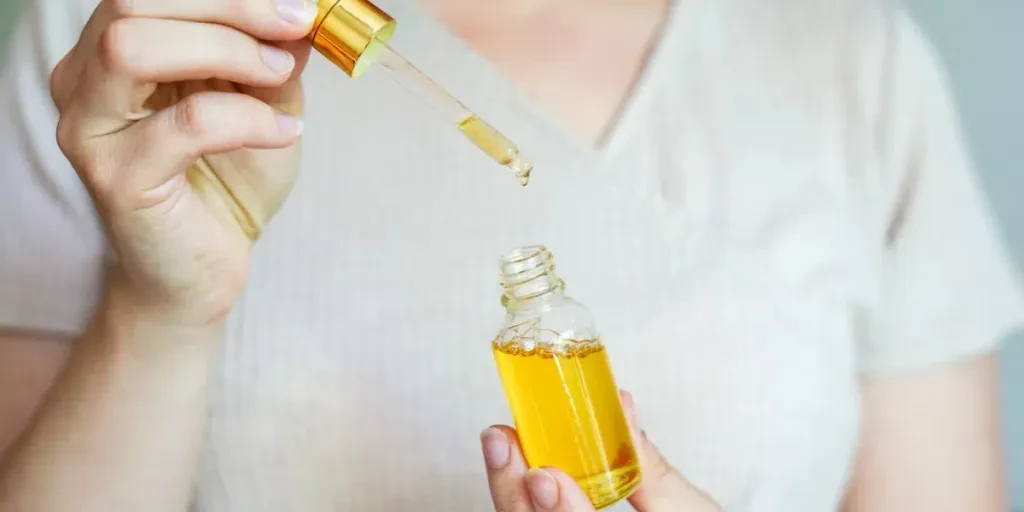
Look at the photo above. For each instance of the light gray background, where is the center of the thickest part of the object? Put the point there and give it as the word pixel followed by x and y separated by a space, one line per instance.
pixel 983 47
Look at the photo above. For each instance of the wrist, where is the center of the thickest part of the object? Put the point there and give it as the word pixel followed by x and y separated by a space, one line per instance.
pixel 129 324
pixel 175 298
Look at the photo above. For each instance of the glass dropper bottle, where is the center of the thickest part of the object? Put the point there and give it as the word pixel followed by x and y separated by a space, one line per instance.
pixel 354 35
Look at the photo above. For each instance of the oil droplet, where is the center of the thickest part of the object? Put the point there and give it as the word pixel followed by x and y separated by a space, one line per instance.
pixel 522 169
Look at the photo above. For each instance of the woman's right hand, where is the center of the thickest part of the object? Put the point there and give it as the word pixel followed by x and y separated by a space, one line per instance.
pixel 516 488
pixel 182 119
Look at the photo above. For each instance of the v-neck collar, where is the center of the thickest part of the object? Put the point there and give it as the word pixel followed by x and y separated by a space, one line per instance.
pixel 444 56
pixel 645 84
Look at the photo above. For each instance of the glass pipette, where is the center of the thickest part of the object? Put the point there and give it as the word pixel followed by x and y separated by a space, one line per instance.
pixel 486 137
pixel 353 34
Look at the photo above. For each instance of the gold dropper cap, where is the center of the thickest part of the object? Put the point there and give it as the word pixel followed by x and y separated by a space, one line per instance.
pixel 354 34
pixel 344 29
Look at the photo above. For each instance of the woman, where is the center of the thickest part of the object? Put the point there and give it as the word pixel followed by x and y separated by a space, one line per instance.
pixel 767 205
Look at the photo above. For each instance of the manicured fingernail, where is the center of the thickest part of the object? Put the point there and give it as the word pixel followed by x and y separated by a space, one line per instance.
pixel 299 12
pixel 543 489
pixel 496 448
pixel 288 125
pixel 279 61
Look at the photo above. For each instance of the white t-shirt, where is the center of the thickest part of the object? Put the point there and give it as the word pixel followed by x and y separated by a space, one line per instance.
pixel 785 206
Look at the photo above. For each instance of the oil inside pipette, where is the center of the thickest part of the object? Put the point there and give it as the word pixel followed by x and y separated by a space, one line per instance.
pixel 483 135
pixel 496 146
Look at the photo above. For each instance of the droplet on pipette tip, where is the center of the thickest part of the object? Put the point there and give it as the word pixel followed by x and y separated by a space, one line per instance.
pixel 522 168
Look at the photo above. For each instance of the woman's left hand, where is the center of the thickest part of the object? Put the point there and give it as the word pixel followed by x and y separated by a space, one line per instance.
pixel 516 488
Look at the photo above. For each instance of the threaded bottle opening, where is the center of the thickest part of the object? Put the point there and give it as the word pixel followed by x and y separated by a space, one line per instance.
pixel 528 273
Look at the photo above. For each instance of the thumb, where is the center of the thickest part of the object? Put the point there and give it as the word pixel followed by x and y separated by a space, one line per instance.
pixel 663 488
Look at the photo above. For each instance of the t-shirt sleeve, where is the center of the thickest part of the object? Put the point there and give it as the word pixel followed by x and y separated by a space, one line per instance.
pixel 51 245
pixel 949 288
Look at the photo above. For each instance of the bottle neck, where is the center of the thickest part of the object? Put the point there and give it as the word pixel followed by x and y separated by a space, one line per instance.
pixel 528 278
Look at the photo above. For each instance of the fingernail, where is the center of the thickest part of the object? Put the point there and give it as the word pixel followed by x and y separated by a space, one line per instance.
pixel 627 399
pixel 543 489
pixel 279 61
pixel 288 125
pixel 299 12
pixel 496 448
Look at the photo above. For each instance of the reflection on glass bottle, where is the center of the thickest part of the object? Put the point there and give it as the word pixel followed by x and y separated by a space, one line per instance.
pixel 558 381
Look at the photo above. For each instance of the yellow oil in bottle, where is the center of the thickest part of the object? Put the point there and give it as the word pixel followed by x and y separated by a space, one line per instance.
pixel 497 146
pixel 567 412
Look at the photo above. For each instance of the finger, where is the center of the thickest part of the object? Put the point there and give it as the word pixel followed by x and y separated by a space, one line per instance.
pixel 131 59
pixel 288 96
pixel 662 488
pixel 271 20
pixel 655 467
pixel 167 142
pixel 140 49
pixel 268 20
pixel 551 490
pixel 506 470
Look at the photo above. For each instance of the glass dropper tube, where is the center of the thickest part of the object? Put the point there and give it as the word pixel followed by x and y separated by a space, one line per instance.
pixel 486 137
pixel 353 34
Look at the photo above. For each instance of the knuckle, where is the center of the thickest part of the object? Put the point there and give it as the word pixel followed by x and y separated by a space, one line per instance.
pixel 116 50
pixel 191 116
pixel 92 163
pixel 122 8
pixel 67 137
pixel 58 81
